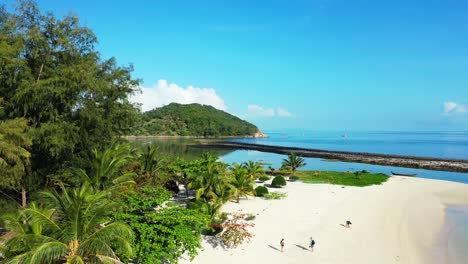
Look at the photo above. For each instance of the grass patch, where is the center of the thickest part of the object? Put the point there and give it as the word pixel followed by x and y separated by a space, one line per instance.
pixel 361 178
pixel 275 195
pixel 250 217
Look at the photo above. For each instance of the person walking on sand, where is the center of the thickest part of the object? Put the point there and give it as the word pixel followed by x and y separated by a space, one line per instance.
pixel 348 224
pixel 311 244
pixel 282 244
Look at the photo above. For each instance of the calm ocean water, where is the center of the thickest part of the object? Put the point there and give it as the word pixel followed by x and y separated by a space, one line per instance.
pixel 430 144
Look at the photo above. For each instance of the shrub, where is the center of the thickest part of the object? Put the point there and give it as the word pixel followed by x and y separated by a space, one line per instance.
pixel 264 178
pixel 275 195
pixel 293 178
pixel 278 181
pixel 260 191
pixel 235 231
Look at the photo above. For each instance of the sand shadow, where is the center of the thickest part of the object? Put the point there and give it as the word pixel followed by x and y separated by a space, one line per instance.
pixel 273 247
pixel 301 247
pixel 343 225
pixel 214 241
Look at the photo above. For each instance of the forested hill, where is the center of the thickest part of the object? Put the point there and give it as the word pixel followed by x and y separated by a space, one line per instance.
pixel 193 120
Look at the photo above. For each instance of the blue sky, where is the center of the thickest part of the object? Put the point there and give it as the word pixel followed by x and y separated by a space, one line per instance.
pixel 310 64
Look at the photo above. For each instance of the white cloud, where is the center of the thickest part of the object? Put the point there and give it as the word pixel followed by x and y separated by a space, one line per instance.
pixel 283 112
pixel 164 93
pixel 259 111
pixel 452 108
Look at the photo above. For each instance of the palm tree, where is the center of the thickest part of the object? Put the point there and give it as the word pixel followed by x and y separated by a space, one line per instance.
pixel 150 162
pixel 293 162
pixel 14 155
pixel 254 169
pixel 107 168
pixel 75 227
pixel 208 180
pixel 242 183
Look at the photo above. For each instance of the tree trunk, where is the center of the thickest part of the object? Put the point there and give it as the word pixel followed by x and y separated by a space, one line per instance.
pixel 23 194
pixel 238 198
pixel 186 190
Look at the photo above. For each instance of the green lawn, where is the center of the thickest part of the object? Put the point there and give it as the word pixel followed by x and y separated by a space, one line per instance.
pixel 342 178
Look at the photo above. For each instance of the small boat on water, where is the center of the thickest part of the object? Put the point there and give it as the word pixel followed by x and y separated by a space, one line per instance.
pixel 403 174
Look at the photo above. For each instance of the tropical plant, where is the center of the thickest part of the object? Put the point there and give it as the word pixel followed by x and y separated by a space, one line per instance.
pixel 151 162
pixel 264 178
pixel 243 184
pixel 162 232
pixel 293 162
pixel 293 178
pixel 14 155
pixel 260 191
pixel 210 180
pixel 278 181
pixel 275 195
pixel 236 230
pixel 74 227
pixel 254 169
pixel 107 167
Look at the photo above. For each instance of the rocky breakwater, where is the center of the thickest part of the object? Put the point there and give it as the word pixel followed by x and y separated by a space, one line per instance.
pixel 456 165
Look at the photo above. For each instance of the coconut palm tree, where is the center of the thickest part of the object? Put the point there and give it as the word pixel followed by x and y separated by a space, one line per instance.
pixel 243 184
pixel 151 163
pixel 209 181
pixel 254 169
pixel 75 227
pixel 107 168
pixel 293 162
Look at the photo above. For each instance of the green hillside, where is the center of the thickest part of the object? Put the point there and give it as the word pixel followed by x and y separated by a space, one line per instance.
pixel 192 120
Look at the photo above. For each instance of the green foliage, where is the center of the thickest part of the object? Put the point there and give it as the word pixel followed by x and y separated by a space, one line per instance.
pixel 260 191
pixel 192 120
pixel 73 226
pixel 275 195
pixel 14 154
pixel 51 74
pixel 278 181
pixel 209 177
pixel 107 167
pixel 264 178
pixel 163 233
pixel 293 178
pixel 242 183
pixel 292 163
pixel 253 169
pixel 343 178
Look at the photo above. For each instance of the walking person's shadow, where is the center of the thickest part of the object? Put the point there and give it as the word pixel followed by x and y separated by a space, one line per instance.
pixel 301 247
pixel 273 247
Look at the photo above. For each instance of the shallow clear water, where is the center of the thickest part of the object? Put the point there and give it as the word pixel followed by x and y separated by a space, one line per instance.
pixel 455 236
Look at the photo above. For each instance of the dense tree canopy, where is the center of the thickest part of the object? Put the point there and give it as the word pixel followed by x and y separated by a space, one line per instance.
pixel 51 74
pixel 193 120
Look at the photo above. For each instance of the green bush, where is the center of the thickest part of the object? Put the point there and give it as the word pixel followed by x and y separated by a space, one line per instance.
pixel 264 178
pixel 278 181
pixel 275 195
pixel 260 191
pixel 293 178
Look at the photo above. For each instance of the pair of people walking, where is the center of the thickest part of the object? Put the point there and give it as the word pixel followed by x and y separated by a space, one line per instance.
pixel 311 244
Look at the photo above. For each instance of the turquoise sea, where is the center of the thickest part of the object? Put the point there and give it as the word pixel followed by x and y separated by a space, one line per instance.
pixel 453 145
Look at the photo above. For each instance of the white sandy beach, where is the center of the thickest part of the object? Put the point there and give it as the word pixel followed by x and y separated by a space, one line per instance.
pixel 397 222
